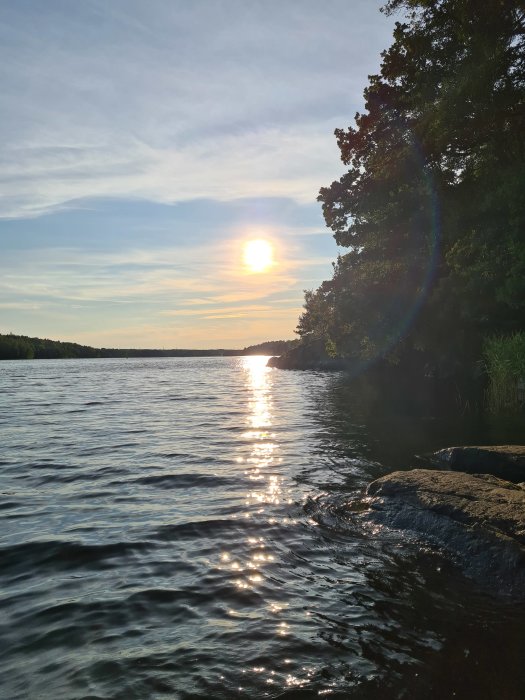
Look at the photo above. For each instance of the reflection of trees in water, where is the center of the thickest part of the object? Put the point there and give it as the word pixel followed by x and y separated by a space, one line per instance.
pixel 359 418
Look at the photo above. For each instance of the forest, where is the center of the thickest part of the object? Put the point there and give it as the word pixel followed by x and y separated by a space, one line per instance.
pixel 21 347
pixel 430 210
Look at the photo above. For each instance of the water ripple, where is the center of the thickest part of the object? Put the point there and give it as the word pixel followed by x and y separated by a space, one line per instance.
pixel 192 528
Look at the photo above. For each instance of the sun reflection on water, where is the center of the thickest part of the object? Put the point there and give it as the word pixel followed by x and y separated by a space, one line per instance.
pixel 251 565
pixel 260 459
pixel 257 378
pixel 263 448
pixel 248 566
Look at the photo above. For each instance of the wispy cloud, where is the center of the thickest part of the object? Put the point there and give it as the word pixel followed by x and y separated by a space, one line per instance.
pixel 263 163
pixel 153 284
pixel 142 142
pixel 20 305
pixel 174 101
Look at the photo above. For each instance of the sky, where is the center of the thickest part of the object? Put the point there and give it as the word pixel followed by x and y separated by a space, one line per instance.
pixel 144 142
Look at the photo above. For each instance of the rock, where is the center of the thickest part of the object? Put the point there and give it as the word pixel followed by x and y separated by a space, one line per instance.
pixel 479 519
pixel 504 461
pixel 308 356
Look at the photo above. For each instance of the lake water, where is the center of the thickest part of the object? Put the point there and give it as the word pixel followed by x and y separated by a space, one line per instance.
pixel 189 528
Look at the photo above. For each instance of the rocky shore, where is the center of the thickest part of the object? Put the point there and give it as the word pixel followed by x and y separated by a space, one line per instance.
pixel 469 501
pixel 504 461
pixel 473 506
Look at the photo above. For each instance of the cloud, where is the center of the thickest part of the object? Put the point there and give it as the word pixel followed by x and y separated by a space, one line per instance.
pixel 142 143
pixel 19 305
pixel 266 162
pixel 240 311
pixel 176 101
pixel 213 272
pixel 135 296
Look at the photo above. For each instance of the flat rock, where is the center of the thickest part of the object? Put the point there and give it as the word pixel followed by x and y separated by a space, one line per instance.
pixel 504 461
pixel 479 519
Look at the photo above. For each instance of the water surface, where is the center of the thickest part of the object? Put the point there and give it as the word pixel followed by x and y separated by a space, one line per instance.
pixel 187 528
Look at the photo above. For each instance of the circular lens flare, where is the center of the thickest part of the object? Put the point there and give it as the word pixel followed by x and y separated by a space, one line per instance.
pixel 258 255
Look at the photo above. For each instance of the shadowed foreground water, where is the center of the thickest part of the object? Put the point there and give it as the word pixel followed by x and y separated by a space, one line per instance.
pixel 182 528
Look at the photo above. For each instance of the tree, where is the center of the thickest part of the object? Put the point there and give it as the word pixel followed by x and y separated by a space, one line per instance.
pixel 13 347
pixel 432 205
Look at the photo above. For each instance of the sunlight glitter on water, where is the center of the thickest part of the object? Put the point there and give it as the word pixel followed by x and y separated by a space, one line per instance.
pixel 194 525
pixel 260 401
pixel 259 463
pixel 264 448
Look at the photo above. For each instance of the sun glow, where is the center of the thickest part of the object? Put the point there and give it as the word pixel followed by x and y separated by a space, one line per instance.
pixel 258 255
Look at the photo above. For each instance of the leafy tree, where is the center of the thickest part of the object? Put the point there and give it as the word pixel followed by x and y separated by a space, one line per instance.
pixel 432 205
pixel 14 347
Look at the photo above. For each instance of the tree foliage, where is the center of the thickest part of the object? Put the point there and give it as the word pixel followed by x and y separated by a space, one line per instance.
pixel 431 208
pixel 21 347
pixel 270 347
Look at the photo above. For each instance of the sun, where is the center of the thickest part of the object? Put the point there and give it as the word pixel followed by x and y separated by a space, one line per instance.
pixel 258 255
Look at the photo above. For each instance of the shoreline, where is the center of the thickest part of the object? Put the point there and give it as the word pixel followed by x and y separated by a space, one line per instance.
pixel 471 503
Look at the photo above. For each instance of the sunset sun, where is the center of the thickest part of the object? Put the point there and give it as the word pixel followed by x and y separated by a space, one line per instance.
pixel 258 255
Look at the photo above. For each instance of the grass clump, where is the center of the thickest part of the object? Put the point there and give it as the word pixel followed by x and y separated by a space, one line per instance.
pixel 504 360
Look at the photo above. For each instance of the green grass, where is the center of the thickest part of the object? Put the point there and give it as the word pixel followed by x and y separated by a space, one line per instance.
pixel 504 360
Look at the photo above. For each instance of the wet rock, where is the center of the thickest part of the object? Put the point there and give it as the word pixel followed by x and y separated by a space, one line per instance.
pixel 479 519
pixel 504 461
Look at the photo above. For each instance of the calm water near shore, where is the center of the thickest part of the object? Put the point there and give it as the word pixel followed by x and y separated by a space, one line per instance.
pixel 183 528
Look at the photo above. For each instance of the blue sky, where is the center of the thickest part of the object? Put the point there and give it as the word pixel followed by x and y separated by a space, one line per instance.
pixel 143 142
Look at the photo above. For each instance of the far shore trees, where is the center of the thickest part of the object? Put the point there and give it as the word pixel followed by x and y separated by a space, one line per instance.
pixel 21 347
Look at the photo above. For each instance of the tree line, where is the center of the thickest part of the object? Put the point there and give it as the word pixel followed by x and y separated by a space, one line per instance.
pixel 20 347
pixel 431 208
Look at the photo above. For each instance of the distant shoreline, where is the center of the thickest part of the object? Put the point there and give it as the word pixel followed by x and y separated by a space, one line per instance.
pixel 21 347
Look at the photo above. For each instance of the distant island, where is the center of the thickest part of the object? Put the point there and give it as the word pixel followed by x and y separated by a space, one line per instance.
pixel 22 347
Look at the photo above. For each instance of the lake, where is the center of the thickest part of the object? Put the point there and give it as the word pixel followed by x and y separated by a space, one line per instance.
pixel 183 528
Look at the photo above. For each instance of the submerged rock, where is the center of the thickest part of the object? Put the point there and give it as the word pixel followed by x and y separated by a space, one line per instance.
pixel 480 519
pixel 504 461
